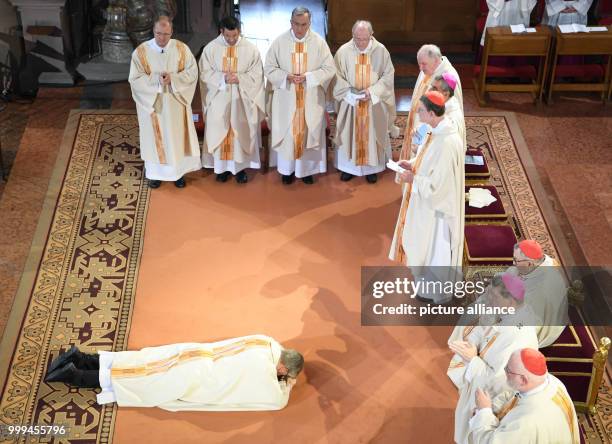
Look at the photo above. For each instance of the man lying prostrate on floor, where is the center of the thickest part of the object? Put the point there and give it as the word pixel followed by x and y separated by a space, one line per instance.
pixel 247 373
pixel 538 409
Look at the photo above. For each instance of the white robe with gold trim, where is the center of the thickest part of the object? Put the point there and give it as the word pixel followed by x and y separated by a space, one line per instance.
pixel 168 140
pixel 380 109
pixel 546 414
pixel 281 103
pixel 507 12
pixel 241 106
pixel 235 374
pixel 553 15
pixel 495 344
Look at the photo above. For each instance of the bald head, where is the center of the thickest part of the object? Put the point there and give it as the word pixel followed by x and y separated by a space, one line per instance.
pixel 362 34
pixel 517 375
pixel 162 31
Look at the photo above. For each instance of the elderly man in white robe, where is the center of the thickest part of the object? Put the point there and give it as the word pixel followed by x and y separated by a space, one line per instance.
pixel 428 235
pixel 507 12
pixel 299 68
pixel 538 409
pixel 246 373
pixel 233 101
pixel 566 12
pixel 365 102
pixel 163 77
pixel 486 344
pixel 546 289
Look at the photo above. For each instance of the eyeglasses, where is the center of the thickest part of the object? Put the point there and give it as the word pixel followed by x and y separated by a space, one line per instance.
pixel 163 34
pixel 511 373
pixel 518 261
pixel 300 25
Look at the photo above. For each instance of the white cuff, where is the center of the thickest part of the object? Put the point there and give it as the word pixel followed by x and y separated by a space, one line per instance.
pixel 222 84
pixel 311 80
pixel 471 368
pixel 106 362
pixel 283 84
pixel 350 98
pixel 480 415
pixel 375 99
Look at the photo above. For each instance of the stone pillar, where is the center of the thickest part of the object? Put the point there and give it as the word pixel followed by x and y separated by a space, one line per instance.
pixel 116 44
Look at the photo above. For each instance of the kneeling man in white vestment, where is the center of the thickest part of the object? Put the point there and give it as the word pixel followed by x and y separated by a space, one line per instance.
pixel 247 373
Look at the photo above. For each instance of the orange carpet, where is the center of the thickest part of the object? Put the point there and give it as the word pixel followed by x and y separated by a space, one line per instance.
pixel 224 260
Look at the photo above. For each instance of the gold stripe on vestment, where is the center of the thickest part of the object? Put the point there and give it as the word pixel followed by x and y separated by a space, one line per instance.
pixel 405 153
pixel 565 405
pixel 299 63
pixel 362 117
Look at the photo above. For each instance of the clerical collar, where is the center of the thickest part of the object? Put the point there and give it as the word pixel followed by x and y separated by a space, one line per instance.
pixel 537 389
pixel 366 50
pixel 153 45
pixel 227 44
pixel 299 40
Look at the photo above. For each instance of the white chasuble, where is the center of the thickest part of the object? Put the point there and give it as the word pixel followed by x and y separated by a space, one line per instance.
pixel 235 374
pixel 233 112
pixel 168 140
pixel 363 127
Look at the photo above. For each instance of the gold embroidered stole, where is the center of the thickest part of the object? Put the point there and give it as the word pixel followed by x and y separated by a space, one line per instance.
pixel 565 405
pixel 407 143
pixel 164 365
pixel 230 65
pixel 400 254
pixel 299 64
pixel 362 115
pixel 507 407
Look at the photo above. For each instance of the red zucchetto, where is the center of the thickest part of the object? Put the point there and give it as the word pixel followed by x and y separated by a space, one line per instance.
pixel 534 361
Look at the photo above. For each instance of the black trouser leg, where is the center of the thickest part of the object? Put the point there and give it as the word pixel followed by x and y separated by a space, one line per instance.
pixel 87 361
pixel 86 378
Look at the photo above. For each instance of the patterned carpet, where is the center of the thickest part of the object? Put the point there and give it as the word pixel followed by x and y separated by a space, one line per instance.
pixel 80 283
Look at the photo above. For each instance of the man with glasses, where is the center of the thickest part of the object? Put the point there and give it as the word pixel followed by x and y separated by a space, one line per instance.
pixel 365 102
pixel 538 409
pixel 485 345
pixel 299 68
pixel 163 78
pixel 545 289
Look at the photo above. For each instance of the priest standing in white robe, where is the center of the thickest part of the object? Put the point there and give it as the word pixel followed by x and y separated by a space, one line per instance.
pixel 365 103
pixel 246 373
pixel 546 289
pixel 486 346
pixel 299 68
pixel 427 232
pixel 163 77
pixel 431 64
pixel 566 12
pixel 507 12
pixel 538 409
pixel 233 101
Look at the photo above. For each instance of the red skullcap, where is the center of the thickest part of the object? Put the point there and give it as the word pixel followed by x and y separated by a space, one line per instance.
pixel 531 249
pixel 435 97
pixel 534 361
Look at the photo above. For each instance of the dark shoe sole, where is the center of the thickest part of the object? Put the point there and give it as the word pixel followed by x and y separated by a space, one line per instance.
pixel 154 183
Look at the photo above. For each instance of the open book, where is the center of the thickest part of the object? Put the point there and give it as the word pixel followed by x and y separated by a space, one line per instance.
pixel 575 27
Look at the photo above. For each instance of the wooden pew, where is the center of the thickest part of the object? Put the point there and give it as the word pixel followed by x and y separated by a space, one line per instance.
pixel 583 43
pixel 500 41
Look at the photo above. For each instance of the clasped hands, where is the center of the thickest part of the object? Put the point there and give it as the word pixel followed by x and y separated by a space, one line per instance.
pixel 296 78
pixel 231 78
pixel 466 350
pixel 164 78
pixel 568 10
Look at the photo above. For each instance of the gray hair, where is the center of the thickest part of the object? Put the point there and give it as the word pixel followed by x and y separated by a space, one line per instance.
pixel 445 86
pixel 364 23
pixel 293 360
pixel 301 10
pixel 431 51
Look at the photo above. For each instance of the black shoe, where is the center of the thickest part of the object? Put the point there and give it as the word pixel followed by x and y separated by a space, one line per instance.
pixel 180 183
pixel 242 177
pixel 223 176
pixel 63 359
pixel 372 178
pixel 288 180
pixel 308 180
pixel 67 373
pixel 345 177
pixel 154 183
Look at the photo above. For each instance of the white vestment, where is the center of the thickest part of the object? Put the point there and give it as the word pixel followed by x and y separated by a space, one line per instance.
pixel 428 229
pixel 168 141
pixel 495 344
pixel 423 84
pixel 235 374
pixel 362 129
pixel 546 292
pixel 545 414
pixel 505 13
pixel 238 108
pixel 553 15
pixel 298 125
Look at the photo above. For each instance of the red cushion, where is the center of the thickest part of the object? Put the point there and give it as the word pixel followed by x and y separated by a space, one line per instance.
pixel 489 244
pixel 591 70
pixel 586 346
pixel 483 7
pixel 522 71
pixel 605 21
pixel 495 209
